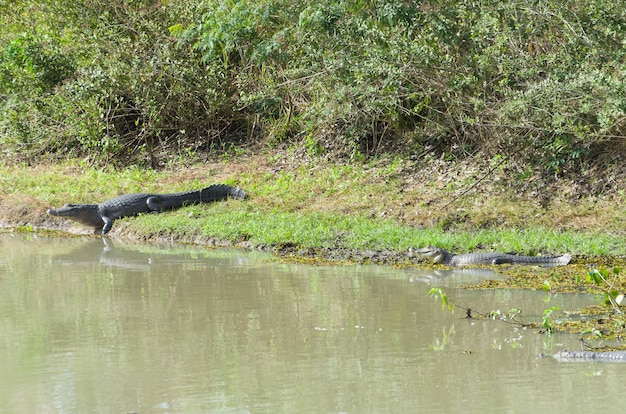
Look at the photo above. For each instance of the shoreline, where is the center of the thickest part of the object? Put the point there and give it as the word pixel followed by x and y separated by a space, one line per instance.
pixel 381 208
pixel 570 279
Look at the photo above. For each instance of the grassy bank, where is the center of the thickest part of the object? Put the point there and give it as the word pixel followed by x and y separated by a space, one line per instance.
pixel 319 208
pixel 374 206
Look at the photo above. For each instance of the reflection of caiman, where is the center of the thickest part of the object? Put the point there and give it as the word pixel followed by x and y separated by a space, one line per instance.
pixel 488 258
pixel 103 214
pixel 582 356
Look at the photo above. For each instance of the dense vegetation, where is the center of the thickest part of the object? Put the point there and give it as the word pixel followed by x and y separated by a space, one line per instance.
pixel 151 81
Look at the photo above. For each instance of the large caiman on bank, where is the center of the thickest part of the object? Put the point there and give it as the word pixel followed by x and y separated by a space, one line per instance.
pixel 444 257
pixel 101 216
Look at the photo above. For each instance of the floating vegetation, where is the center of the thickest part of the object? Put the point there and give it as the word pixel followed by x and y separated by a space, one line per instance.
pixel 604 321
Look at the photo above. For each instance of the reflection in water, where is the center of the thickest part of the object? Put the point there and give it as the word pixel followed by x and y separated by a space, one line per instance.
pixel 90 325
pixel 453 277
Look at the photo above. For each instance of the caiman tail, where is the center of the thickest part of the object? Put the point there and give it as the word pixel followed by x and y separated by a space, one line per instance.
pixel 216 192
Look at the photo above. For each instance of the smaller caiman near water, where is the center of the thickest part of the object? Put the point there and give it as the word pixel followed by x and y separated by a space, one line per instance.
pixel 588 356
pixel 101 216
pixel 444 257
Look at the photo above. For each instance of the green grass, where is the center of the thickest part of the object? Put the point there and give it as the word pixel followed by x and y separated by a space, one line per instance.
pixel 306 206
pixel 54 183
pixel 234 221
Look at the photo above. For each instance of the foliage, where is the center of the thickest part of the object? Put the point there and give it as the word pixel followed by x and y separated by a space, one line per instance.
pixel 445 300
pixel 147 80
pixel 512 317
pixel 546 320
pixel 607 281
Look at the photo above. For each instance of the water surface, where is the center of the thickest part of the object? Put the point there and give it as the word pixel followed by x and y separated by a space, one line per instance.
pixel 99 326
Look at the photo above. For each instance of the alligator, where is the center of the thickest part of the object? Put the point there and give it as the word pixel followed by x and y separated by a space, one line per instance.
pixel 488 258
pixel 586 356
pixel 101 216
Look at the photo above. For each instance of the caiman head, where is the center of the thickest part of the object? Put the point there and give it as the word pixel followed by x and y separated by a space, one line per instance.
pixel 86 214
pixel 438 255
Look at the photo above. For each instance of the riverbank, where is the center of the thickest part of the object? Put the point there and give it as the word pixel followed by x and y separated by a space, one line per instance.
pixel 315 211
pixel 313 205
pixel 386 204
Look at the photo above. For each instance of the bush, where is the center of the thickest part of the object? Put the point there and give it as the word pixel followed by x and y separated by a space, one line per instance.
pixel 147 80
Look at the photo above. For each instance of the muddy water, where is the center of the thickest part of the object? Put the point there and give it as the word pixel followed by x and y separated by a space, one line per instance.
pixel 94 327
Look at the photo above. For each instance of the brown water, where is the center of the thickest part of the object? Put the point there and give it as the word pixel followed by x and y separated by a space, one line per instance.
pixel 94 327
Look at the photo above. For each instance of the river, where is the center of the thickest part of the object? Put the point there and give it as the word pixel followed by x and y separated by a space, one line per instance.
pixel 93 325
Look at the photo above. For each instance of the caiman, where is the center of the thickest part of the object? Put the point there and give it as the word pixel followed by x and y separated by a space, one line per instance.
pixel 587 356
pixel 101 216
pixel 441 256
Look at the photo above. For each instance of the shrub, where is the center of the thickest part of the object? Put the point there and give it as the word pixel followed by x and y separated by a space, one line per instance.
pixel 147 80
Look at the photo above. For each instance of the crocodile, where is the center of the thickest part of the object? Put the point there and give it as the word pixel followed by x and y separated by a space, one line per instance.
pixel 441 256
pixel 585 356
pixel 101 216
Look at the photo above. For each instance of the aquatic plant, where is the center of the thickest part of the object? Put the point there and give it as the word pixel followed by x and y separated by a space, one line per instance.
pixel 513 316
pixel 607 281
pixel 546 320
